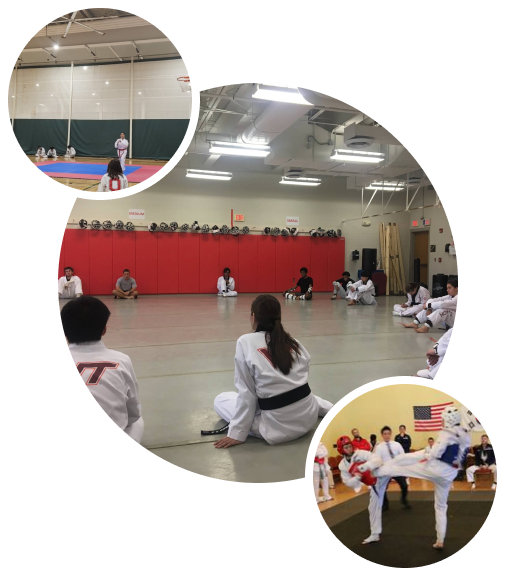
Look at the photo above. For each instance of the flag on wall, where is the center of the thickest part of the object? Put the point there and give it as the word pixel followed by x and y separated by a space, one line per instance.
pixel 429 418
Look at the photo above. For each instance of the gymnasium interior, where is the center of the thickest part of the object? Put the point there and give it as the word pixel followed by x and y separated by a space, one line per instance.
pixel 323 209
pixel 86 77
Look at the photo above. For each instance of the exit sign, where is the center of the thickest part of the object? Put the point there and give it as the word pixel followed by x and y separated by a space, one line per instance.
pixel 426 222
pixel 239 217
pixel 415 223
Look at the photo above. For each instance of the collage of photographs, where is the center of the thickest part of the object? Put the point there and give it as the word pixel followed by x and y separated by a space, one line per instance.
pixel 293 278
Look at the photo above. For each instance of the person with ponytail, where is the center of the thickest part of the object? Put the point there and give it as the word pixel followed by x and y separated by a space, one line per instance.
pixel 274 400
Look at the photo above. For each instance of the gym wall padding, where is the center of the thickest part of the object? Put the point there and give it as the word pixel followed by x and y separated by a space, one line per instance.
pixel 46 133
pixel 190 263
pixel 97 137
pixel 158 139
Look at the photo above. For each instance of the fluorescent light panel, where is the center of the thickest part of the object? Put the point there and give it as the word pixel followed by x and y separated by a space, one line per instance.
pixel 279 94
pixel 386 186
pixel 301 181
pixel 236 149
pixel 357 156
pixel 208 174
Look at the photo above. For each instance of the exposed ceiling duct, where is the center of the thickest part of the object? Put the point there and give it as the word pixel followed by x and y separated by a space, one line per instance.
pixel 358 136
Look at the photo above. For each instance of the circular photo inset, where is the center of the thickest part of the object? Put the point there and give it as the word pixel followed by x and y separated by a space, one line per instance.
pixel 404 475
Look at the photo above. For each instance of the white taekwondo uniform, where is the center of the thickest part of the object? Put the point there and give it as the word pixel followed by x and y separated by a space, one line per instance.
pixel 440 467
pixel 70 152
pixel 376 492
pixel 363 293
pixel 256 378
pixel 122 147
pixel 111 380
pixel 415 302
pixel 108 184
pixel 226 289
pixel 69 288
pixel 440 348
pixel 444 310
pixel 41 153
pixel 51 153
pixel 321 473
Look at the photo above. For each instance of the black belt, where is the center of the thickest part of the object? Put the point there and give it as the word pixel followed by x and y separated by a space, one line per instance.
pixel 285 399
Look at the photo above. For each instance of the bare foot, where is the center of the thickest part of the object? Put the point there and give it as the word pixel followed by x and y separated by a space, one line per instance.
pixel 422 329
pixel 352 303
pixel 439 545
pixel 411 325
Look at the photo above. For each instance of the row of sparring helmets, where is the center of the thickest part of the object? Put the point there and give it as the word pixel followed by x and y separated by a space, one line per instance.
pixel 234 230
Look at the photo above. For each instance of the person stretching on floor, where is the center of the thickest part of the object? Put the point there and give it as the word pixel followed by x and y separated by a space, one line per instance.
pixel 114 179
pixel 126 287
pixel 226 284
pixel 305 283
pixel 274 400
pixel 417 296
pixel 51 153
pixel 438 310
pixel 41 153
pixel 340 286
pixel 362 291
pixel 70 152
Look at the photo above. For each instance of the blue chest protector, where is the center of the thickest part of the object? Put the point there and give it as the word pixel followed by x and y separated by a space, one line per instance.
pixel 450 455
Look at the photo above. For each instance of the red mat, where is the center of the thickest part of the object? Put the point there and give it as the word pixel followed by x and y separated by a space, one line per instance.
pixel 139 174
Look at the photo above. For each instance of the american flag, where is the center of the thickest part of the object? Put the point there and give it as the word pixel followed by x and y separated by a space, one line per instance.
pixel 429 418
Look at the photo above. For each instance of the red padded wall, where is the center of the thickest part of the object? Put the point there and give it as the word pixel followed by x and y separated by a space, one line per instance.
pixel 77 255
pixel 319 263
pixel 210 268
pixel 266 263
pixel 248 263
pixel 283 263
pixel 168 263
pixel 100 262
pixel 123 254
pixel 301 256
pixel 189 263
pixel 146 262
pixel 228 257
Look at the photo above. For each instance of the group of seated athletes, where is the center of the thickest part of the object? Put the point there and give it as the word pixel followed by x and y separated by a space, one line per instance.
pixel 41 153
pixel 70 286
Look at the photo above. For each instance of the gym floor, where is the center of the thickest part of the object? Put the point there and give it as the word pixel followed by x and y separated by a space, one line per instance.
pixel 92 185
pixel 183 347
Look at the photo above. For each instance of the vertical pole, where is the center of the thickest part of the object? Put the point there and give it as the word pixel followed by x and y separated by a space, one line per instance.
pixel 70 102
pixel 362 201
pixel 231 218
pixel 15 93
pixel 407 200
pixel 130 147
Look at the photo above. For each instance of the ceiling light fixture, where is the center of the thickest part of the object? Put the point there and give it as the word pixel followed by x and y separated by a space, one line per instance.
pixel 208 174
pixel 357 156
pixel 56 46
pixel 85 67
pixel 235 149
pixel 386 186
pixel 301 181
pixel 279 94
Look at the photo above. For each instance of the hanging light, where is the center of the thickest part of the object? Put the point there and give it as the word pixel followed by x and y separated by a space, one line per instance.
pixel 236 149
pixel 344 155
pixel 301 181
pixel 208 174
pixel 279 94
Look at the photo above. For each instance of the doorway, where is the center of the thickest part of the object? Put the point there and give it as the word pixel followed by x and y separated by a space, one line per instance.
pixel 421 256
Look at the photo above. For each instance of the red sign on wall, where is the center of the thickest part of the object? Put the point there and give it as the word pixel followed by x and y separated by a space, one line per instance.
pixel 239 217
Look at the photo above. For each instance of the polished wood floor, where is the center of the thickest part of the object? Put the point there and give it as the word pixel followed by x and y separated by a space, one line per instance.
pixel 341 493
pixel 92 185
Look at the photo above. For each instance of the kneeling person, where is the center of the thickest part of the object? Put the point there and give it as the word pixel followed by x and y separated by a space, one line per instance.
pixel 305 283
pixel 126 287
pixel 226 284
pixel 69 286
pixel 108 374
pixel 362 291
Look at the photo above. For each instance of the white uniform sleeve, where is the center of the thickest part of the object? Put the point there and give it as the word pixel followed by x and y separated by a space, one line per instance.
pixel 135 426
pixel 125 182
pixel 349 480
pixel 442 345
pixel 116 144
pixel 61 284
pixel 231 285
pixel 425 296
pixel 444 303
pixel 366 287
pixel 247 401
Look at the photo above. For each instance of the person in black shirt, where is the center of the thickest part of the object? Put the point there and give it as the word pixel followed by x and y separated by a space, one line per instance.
pixel 305 283
pixel 340 286
pixel 484 459
pixel 404 439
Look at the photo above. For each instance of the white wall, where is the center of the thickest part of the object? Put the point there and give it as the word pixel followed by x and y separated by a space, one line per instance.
pixel 264 202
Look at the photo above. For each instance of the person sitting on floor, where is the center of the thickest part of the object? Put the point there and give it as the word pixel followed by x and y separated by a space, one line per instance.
pixel 274 400
pixel 435 356
pixel 417 296
pixel 51 153
pixel 126 287
pixel 69 286
pixel 340 286
pixel 305 283
pixel 70 152
pixel 362 291
pixel 226 284
pixel 41 153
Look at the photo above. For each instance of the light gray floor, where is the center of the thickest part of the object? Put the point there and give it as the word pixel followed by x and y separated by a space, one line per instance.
pixel 183 347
